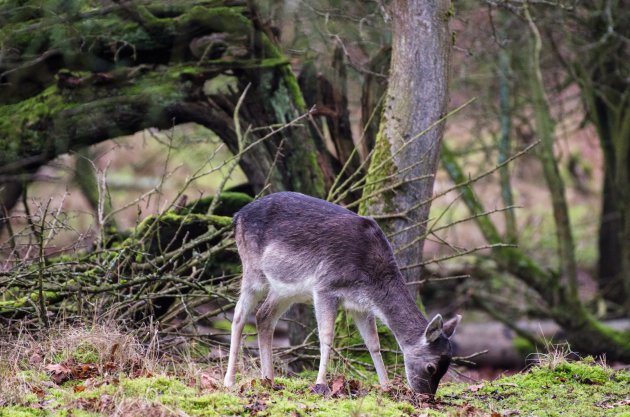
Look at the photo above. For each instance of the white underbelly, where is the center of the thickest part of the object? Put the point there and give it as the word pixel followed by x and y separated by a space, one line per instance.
pixel 298 292
pixel 356 305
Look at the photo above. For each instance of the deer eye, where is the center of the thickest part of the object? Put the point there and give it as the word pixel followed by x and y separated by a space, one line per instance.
pixel 430 368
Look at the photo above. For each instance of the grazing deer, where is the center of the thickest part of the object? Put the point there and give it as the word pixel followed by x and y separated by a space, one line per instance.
pixel 295 249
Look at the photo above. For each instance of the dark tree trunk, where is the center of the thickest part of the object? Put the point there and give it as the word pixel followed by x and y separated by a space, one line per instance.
pixel 609 263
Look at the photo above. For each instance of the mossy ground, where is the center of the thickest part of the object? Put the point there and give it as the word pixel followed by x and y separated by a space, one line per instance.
pixel 563 388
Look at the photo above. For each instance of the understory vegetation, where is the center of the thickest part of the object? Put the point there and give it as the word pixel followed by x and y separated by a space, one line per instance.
pixel 100 370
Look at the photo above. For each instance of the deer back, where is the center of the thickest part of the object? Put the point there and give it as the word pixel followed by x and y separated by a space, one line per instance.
pixel 296 239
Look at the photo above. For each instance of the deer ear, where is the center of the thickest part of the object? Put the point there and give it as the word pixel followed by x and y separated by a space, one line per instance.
pixel 449 326
pixel 434 329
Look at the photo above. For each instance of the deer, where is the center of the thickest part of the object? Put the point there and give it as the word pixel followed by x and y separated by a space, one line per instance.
pixel 300 249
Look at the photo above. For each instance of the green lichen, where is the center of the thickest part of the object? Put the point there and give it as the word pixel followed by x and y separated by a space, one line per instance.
pixel 381 166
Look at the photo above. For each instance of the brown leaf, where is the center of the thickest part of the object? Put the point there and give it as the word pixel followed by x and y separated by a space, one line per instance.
pixel 39 392
pixel 208 381
pixel 85 371
pixel 79 388
pixel 59 373
pixel 337 385
pixel 268 383
pixel 256 407
pixel 475 388
pixel 113 352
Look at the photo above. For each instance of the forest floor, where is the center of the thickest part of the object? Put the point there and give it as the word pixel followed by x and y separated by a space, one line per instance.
pixel 107 374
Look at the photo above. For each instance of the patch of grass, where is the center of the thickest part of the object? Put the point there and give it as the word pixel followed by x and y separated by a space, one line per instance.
pixel 554 387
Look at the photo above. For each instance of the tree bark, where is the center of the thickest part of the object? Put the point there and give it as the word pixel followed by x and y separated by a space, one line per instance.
pixel 417 97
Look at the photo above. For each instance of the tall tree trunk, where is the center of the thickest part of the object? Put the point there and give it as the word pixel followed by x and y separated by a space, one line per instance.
pixel 417 97
pixel 545 130
pixel 613 125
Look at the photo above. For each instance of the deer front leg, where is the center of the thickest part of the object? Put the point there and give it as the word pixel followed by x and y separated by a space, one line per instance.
pixel 366 323
pixel 325 313
pixel 266 318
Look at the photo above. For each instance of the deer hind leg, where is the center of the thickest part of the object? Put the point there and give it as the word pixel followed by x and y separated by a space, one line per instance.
pixel 325 313
pixel 246 302
pixel 366 323
pixel 266 318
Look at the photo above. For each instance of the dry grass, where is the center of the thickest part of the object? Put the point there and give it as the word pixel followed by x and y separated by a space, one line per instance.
pixel 24 355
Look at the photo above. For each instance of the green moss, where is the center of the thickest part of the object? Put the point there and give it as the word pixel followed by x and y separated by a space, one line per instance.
pixel 216 403
pixel 155 387
pixel 381 166
pixel 564 389
pixel 561 388
pixel 172 219
pixel 13 411
pixel 294 88
pixel 229 203
pixel 221 84
pixel 18 119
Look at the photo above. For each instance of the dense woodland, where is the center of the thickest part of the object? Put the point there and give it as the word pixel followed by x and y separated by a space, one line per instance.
pixel 489 139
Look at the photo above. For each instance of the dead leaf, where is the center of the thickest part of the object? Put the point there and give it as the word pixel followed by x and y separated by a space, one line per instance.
pixel 337 385
pixel 39 392
pixel 59 373
pixel 85 371
pixel 256 407
pixel 208 381
pixel 475 388
pixel 268 383
pixel 113 352
pixel 79 388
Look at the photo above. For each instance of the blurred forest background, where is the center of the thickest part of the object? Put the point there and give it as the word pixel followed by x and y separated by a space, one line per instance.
pixel 131 131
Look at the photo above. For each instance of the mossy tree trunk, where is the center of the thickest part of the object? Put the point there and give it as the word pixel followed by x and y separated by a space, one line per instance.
pixel 416 98
pixel 555 184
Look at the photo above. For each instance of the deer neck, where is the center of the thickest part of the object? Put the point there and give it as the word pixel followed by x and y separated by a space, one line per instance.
pixel 399 312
